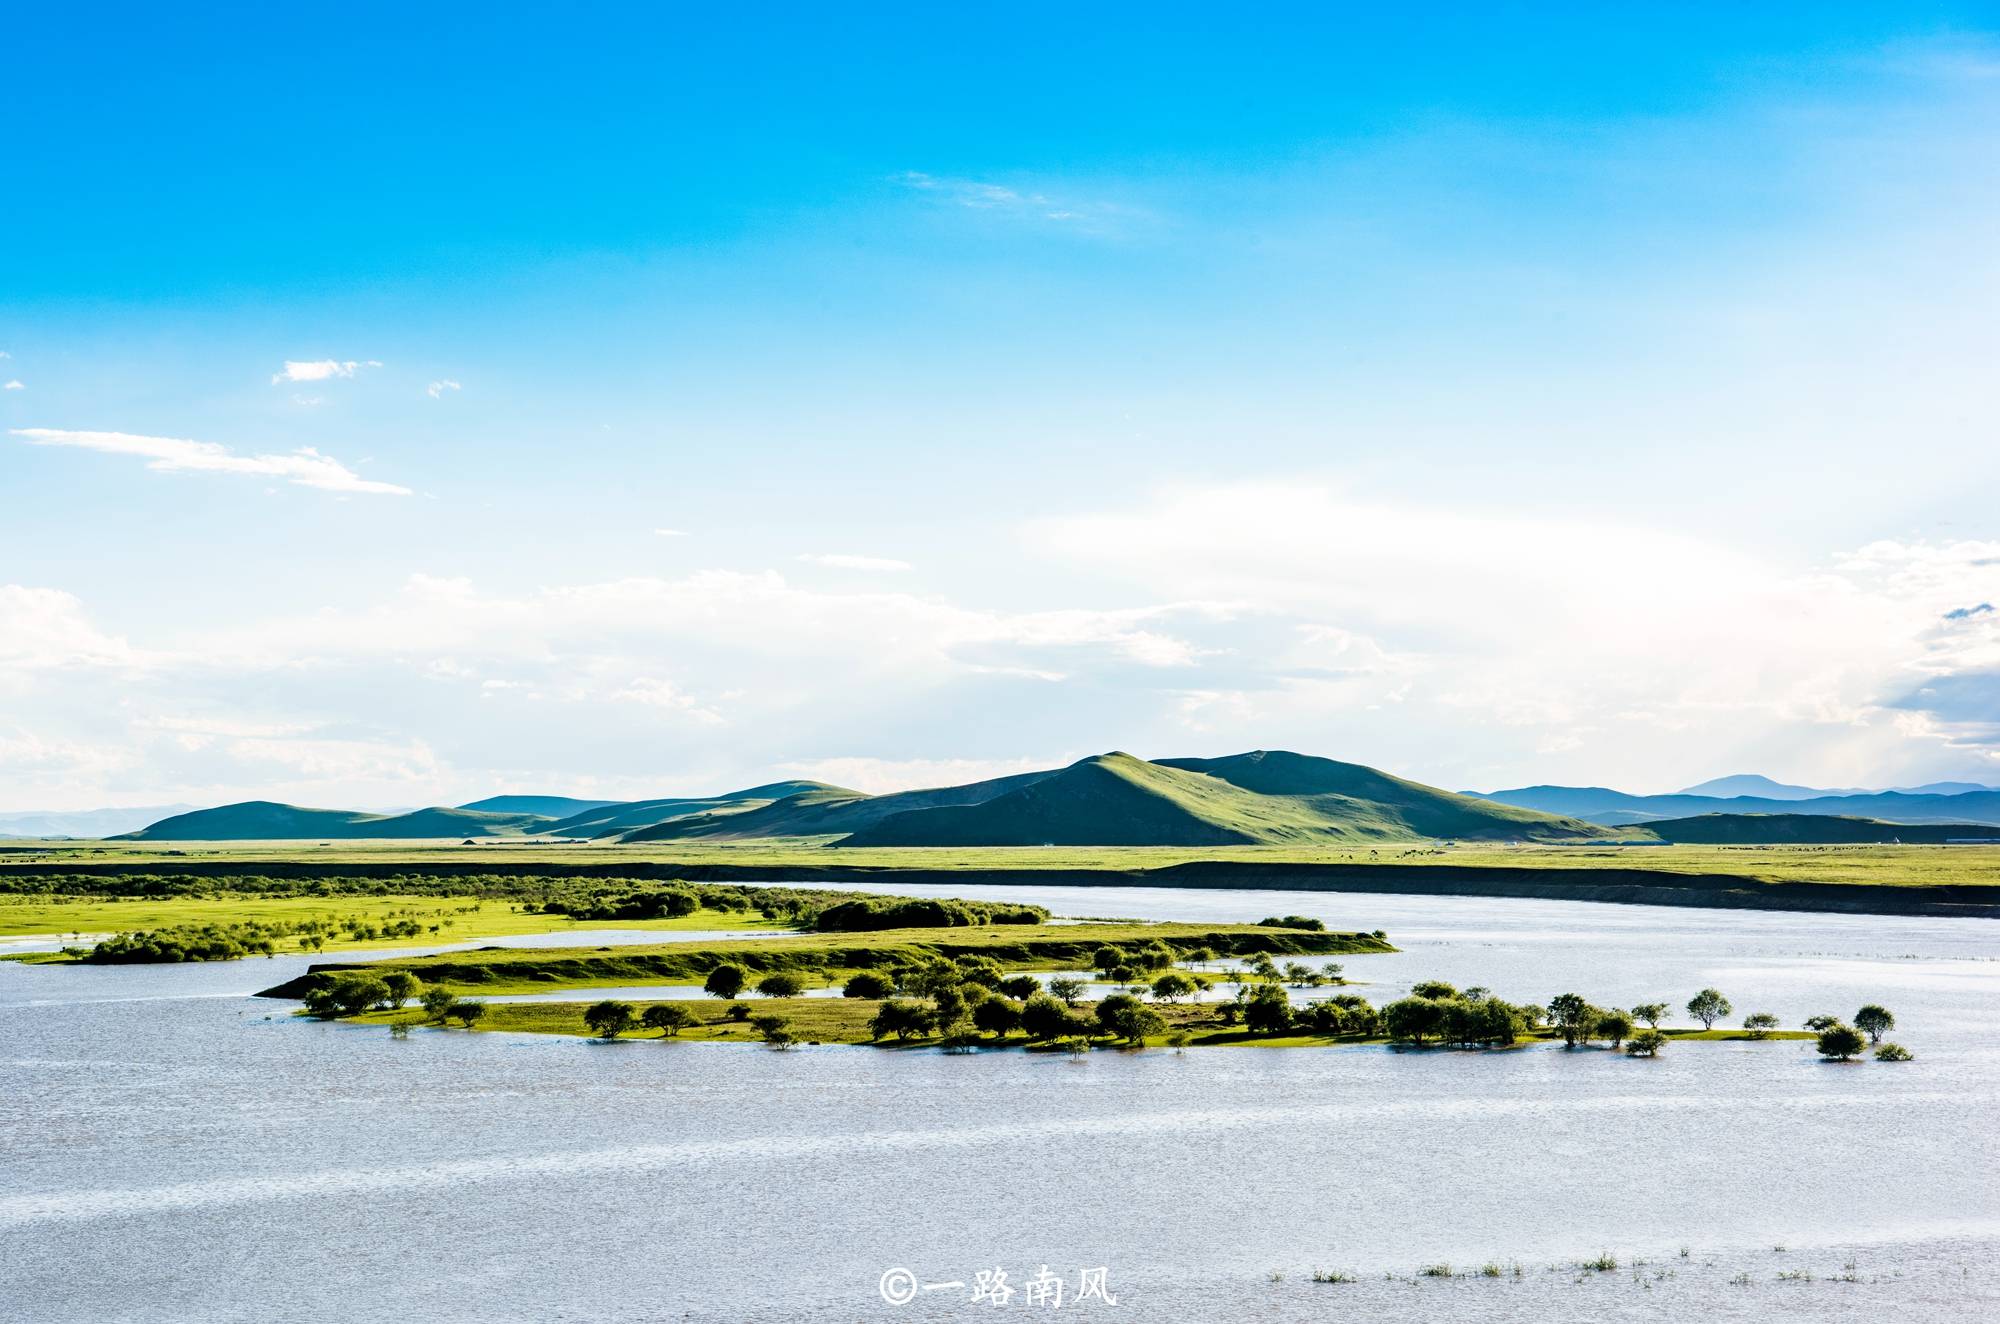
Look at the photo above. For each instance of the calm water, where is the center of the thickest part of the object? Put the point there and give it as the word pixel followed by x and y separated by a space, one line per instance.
pixel 174 1150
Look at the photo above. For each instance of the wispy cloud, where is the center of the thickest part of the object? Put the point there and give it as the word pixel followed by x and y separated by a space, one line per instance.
pixel 437 389
pixel 320 370
pixel 305 467
pixel 842 561
pixel 14 385
pixel 673 533
pixel 1029 204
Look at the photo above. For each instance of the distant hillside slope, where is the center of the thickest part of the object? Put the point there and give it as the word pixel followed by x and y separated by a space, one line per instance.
pixel 1750 783
pixel 547 806
pixel 613 819
pixel 265 820
pixel 1602 805
pixel 1265 797
pixel 1810 829
pixel 84 822
pixel 826 811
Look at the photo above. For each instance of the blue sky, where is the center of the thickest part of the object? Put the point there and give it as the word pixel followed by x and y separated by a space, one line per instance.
pixel 1500 395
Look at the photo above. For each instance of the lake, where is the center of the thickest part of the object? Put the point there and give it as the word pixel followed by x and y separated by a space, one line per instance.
pixel 176 1150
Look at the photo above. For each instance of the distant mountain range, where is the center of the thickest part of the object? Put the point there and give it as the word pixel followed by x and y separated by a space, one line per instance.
pixel 1261 798
pixel 84 822
pixel 1111 800
pixel 1601 804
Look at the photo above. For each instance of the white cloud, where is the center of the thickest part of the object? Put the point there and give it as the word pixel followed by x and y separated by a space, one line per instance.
pixel 305 467
pixel 320 370
pixel 46 628
pixel 672 533
pixel 843 561
pixel 881 776
pixel 14 384
pixel 437 389
pixel 1027 203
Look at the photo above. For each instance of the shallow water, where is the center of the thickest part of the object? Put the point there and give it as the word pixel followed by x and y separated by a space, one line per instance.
pixel 175 1150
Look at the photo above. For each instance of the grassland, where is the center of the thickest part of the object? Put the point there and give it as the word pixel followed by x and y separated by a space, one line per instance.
pixel 829 957
pixel 845 1021
pixel 1863 879
pixel 456 919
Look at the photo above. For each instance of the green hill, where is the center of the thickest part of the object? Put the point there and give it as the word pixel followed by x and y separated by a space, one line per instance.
pixel 824 811
pixel 265 820
pixel 546 806
pixel 611 819
pixel 1260 798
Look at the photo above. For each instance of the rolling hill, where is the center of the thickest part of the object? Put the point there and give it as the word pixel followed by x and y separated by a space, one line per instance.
pixel 1600 804
pixel 546 806
pixel 825 811
pixel 266 820
pixel 1265 797
pixel 612 819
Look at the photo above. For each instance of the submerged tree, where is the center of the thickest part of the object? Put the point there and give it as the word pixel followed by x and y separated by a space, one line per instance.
pixel 1646 1043
pixel 1874 1020
pixel 1841 1042
pixel 1573 1018
pixel 1616 1026
pixel 1708 1007
pixel 1125 1017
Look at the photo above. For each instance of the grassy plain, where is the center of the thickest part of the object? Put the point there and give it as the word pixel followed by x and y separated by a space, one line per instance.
pixel 1867 865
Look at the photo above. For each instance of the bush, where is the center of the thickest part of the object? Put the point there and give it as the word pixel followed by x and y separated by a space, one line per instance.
pixel 1125 1017
pixel 1841 1042
pixel 1173 986
pixel 1044 1017
pixel 1646 1043
pixel 437 1004
pixel 1268 1011
pixel 997 1017
pixel 468 1014
pixel 402 986
pixel 776 1029
pixel 1020 987
pixel 1069 991
pixel 1413 1019
pixel 726 980
pixel 1292 922
pixel 781 984
pixel 1760 1024
pixel 1892 1053
pixel 1821 1022
pixel 667 1017
pixel 867 984
pixel 1615 1026
pixel 905 1020
pixel 609 1019
pixel 737 1011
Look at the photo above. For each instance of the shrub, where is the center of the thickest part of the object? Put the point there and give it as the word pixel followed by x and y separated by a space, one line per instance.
pixel 1708 1007
pixel 1892 1053
pixel 1069 991
pixel 1268 1011
pixel 737 1011
pixel 1841 1042
pixel 866 984
pixel 1874 1021
pixel 1821 1022
pixel 609 1019
pixel 1292 922
pixel 437 1004
pixel 1414 1019
pixel 905 1020
pixel 468 1014
pixel 666 1017
pixel 777 1030
pixel 726 980
pixel 402 986
pixel 1646 1043
pixel 1044 1017
pixel 1760 1024
pixel 997 1017
pixel 1125 1017
pixel 1020 987
pixel 781 984
pixel 1615 1026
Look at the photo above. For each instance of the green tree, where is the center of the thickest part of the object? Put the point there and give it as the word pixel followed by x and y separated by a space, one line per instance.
pixel 905 1020
pixel 726 980
pixel 776 1029
pixel 1067 990
pixel 1125 1017
pixel 1650 1012
pixel 1708 1007
pixel 1106 959
pixel 437 1004
pixel 402 986
pixel 1044 1017
pixel 1759 1024
pixel 1614 1025
pixel 997 1017
pixel 1573 1018
pixel 1414 1019
pixel 866 984
pixel 1892 1053
pixel 1874 1020
pixel 1646 1043
pixel 1020 987
pixel 1821 1022
pixel 1841 1042
pixel 1268 1010
pixel 1172 987
pixel 781 984
pixel 610 1018
pixel 1434 989
pixel 468 1014
pixel 666 1017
